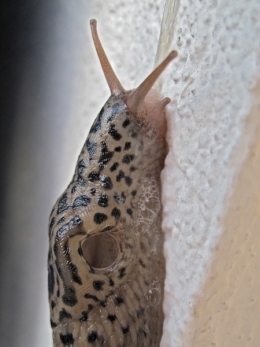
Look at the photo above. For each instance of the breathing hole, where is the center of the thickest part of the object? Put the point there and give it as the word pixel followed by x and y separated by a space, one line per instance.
pixel 100 251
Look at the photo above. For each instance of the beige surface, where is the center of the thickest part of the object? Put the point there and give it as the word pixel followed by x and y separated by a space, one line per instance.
pixel 228 311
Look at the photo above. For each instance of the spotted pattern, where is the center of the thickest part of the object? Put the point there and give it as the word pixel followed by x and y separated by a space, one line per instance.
pixel 109 194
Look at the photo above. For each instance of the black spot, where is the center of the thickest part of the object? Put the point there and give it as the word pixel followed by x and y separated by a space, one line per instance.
pixel 67 339
pixel 98 285
pixel 114 133
pixel 114 167
pixel 111 317
pixel 64 314
pixel 92 336
pixel 73 222
pixel 107 228
pixel 92 191
pixel 74 273
pixel 73 189
pixel 105 156
pixel 62 205
pixel 128 181
pixel 93 176
pixel 120 199
pixel 106 182
pixel 103 200
pixel 81 167
pixel 51 280
pixel 69 298
pixel 142 263
pixel 51 224
pixel 134 135
pixel 125 330
pixel 140 312
pixel 92 148
pixel 80 181
pixel 84 316
pixel 120 175
pixel 49 255
pixel 90 307
pixel 58 293
pixel 127 145
pixel 133 168
pixel 111 282
pixel 134 193
pixel 114 111
pixel 119 300
pixel 97 123
pixel 53 304
pixel 100 218
pixel 127 158
pixel 61 220
pixel 89 296
pixel 53 325
pixel 82 200
pixel 145 335
pixel 80 252
pixel 126 123
pixel 122 272
pixel 116 213
pixel 129 211
pixel 118 149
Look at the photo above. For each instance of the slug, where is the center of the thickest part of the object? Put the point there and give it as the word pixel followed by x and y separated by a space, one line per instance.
pixel 105 261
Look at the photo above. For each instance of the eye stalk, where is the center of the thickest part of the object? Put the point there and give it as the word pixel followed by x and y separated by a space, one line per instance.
pixel 134 99
pixel 112 80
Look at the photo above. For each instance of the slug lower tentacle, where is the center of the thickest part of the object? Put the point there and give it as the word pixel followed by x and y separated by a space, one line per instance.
pixel 106 268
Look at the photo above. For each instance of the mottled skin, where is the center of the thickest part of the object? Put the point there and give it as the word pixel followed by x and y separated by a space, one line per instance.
pixel 106 268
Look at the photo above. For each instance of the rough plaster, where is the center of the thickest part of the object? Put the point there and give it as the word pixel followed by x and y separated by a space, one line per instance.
pixel 226 312
pixel 218 44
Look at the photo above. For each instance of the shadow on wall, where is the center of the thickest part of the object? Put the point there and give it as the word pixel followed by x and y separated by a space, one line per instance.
pixel 38 56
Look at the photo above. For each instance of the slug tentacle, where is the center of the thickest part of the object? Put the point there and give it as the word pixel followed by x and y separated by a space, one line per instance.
pixel 105 263
pixel 113 82
pixel 165 102
pixel 136 98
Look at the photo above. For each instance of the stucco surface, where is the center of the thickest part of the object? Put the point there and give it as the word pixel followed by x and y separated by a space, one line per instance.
pixel 228 309
pixel 210 85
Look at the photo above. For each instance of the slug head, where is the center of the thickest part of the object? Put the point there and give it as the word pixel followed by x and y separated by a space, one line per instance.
pixel 143 102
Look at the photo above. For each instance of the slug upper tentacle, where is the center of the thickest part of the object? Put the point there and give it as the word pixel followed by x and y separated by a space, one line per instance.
pixel 106 268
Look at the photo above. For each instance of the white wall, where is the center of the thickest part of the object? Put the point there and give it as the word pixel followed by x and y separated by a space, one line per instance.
pixel 210 85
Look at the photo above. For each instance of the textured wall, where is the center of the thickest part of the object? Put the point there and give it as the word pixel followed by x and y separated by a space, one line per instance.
pixel 227 310
pixel 211 84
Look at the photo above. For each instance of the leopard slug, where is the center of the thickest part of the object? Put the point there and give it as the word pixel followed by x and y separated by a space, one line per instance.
pixel 105 261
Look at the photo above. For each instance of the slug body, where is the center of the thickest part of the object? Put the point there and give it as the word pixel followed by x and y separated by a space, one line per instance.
pixel 106 268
